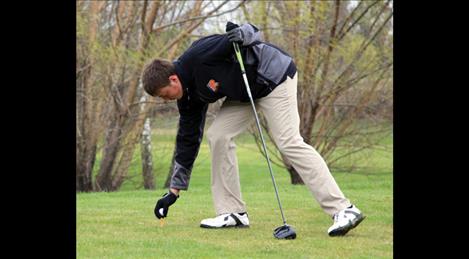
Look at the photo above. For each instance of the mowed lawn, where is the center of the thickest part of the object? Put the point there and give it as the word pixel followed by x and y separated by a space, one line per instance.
pixel 122 224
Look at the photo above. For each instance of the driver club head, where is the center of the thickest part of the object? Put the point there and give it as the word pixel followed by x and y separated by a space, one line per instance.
pixel 285 232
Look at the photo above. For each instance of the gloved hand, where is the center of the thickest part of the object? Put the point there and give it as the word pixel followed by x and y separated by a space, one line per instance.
pixel 234 33
pixel 230 26
pixel 162 206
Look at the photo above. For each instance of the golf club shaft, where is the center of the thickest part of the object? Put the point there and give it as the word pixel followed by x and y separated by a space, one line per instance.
pixel 246 83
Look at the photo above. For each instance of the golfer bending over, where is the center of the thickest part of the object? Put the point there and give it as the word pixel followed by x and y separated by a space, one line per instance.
pixel 208 71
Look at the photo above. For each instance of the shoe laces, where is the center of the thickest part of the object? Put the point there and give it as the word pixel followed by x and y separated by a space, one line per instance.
pixel 339 214
pixel 336 217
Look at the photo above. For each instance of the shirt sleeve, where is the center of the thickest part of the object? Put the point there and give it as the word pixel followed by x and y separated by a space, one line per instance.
pixel 251 34
pixel 188 139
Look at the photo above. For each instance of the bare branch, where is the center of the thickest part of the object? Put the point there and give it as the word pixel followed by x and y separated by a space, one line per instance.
pixel 143 16
pixel 349 17
pixel 186 32
pixel 203 17
pixel 357 20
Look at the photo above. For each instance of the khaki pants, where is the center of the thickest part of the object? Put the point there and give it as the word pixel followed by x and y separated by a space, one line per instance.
pixel 281 112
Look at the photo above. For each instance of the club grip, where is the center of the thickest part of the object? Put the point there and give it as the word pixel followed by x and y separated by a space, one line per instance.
pixel 238 56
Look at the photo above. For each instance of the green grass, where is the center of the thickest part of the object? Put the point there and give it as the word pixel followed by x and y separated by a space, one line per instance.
pixel 122 224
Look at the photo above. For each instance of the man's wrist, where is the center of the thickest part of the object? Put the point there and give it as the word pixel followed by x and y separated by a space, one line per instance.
pixel 175 191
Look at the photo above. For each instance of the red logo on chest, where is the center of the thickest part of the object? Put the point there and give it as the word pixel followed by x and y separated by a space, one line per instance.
pixel 212 84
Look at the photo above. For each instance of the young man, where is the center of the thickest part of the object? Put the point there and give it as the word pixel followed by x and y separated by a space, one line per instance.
pixel 208 71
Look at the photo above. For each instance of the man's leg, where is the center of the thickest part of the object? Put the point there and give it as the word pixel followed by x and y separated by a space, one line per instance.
pixel 281 111
pixel 232 119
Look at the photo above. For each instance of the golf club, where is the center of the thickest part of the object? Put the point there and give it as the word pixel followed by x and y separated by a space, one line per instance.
pixel 285 231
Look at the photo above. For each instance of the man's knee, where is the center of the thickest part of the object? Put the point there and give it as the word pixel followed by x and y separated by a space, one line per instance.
pixel 292 144
pixel 211 134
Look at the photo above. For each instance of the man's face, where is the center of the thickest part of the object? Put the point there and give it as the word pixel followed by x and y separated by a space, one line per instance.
pixel 172 91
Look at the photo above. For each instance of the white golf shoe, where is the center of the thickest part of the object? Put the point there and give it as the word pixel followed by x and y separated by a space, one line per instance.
pixel 345 220
pixel 226 220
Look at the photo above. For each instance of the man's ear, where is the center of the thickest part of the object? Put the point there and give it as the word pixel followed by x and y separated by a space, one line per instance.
pixel 173 77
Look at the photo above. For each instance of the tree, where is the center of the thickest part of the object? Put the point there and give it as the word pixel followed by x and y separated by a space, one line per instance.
pixel 341 69
pixel 114 40
pixel 87 120
pixel 145 147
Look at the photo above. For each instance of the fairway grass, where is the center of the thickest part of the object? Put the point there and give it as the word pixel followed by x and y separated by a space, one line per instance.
pixel 122 224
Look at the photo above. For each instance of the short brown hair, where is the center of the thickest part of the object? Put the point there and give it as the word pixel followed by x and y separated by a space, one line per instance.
pixel 156 75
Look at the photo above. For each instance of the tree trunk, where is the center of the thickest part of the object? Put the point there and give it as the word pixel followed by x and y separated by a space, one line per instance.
pixel 111 148
pixel 134 132
pixel 86 135
pixel 294 176
pixel 147 163
pixel 84 168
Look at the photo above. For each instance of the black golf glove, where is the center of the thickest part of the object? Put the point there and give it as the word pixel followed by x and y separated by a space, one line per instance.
pixel 168 199
pixel 234 33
